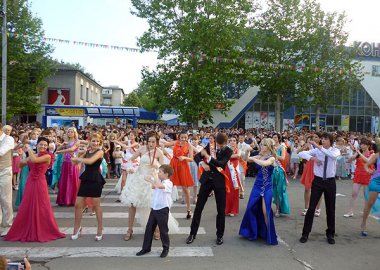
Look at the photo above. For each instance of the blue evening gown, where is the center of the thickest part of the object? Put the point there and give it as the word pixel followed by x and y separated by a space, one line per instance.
pixel 253 223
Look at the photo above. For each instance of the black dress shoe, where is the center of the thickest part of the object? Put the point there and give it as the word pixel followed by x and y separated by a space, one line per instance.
pixel 190 239
pixel 303 239
pixel 142 252
pixel 164 253
pixel 331 240
pixel 219 241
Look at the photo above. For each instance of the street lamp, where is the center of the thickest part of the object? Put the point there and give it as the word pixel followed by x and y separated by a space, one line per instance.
pixel 4 65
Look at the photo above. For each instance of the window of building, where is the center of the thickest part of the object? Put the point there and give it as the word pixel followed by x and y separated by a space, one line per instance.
pixel 272 107
pixel 329 120
pixel 368 99
pixel 81 92
pixel 107 101
pixel 264 107
pixel 256 106
pixel 337 120
pixel 107 91
pixel 361 96
pixel 87 94
pixel 354 98
pixel 338 109
pixel 353 111
pixel 360 111
pixel 368 111
pixel 353 123
pixel 376 71
pixel 360 124
pixel 345 110
pixel 330 109
pixel 367 123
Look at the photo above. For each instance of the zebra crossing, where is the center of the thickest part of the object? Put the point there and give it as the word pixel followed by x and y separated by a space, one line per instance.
pixel 115 221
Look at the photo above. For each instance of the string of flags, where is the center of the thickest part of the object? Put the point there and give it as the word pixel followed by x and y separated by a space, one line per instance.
pixel 215 60
pixel 80 43
pixel 242 61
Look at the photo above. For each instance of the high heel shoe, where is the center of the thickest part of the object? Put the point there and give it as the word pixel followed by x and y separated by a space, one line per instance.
pixel 129 234
pixel 77 234
pixel 98 237
pixel 189 214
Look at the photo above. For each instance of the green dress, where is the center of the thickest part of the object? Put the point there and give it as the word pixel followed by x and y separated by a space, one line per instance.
pixel 21 184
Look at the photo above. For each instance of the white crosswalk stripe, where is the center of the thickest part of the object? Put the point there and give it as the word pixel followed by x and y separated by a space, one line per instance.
pixel 65 215
pixel 119 230
pixel 83 252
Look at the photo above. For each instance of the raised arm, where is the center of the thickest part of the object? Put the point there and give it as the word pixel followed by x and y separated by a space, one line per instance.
pixel 36 159
pixel 265 163
pixel 90 160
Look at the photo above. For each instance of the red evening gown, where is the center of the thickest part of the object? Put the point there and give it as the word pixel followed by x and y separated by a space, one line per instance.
pixel 181 175
pixel 232 197
pixel 35 221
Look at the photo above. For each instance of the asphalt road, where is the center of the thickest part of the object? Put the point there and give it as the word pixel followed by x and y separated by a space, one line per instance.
pixel 351 250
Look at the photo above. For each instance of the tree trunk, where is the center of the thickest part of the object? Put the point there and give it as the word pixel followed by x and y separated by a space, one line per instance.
pixel 278 113
pixel 195 123
pixel 317 113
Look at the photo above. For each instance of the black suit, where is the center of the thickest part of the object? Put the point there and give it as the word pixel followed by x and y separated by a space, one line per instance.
pixel 212 180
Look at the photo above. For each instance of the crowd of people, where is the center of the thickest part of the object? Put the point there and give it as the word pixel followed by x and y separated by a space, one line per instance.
pixel 206 162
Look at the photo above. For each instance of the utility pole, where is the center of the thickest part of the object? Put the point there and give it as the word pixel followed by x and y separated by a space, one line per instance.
pixel 4 65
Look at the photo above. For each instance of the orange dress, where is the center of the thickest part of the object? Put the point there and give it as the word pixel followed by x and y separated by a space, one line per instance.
pixel 308 174
pixel 181 175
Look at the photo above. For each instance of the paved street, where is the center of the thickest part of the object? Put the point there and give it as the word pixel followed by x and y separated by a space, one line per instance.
pixel 351 251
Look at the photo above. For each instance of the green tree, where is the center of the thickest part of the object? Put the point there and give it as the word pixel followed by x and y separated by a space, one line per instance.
pixel 80 68
pixel 29 61
pixel 326 48
pixel 133 100
pixel 276 35
pixel 193 85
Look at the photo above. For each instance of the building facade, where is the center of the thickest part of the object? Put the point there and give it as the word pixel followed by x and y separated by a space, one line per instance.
pixel 359 112
pixel 112 96
pixel 70 86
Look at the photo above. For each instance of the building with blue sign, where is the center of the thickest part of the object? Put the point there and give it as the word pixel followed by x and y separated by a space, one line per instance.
pixel 358 113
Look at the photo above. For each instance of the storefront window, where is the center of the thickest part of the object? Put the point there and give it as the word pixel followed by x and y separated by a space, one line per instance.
pixel 337 120
pixel 360 124
pixel 353 123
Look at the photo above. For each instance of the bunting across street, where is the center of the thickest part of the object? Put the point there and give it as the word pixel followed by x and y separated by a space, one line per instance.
pixel 214 59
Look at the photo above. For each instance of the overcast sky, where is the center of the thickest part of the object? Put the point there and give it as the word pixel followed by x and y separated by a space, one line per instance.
pixel 110 22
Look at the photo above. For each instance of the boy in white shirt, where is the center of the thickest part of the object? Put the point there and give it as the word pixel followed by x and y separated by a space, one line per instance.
pixel 159 214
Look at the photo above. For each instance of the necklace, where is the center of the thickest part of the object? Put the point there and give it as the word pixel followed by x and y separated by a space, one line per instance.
pixel 151 160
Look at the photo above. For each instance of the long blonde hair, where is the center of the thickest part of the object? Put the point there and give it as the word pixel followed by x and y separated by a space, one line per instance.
pixel 268 142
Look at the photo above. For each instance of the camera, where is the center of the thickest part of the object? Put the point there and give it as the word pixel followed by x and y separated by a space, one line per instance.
pixel 16 266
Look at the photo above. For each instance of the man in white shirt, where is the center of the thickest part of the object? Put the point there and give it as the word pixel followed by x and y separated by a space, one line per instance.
pixel 243 148
pixel 159 215
pixel 324 157
pixel 6 147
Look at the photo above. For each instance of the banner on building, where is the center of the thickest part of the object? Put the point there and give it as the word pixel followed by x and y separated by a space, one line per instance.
pixel 264 119
pixel 375 124
pixel 271 120
pixel 345 123
pixel 288 124
pixel 248 120
pixel 64 111
pixel 59 96
pixel 256 119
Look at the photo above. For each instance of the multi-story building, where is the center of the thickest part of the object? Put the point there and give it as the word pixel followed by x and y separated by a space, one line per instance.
pixel 360 112
pixel 70 86
pixel 112 96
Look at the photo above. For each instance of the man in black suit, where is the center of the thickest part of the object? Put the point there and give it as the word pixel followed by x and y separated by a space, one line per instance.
pixel 212 179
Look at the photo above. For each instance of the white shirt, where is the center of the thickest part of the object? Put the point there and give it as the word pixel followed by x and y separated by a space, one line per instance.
pixel 332 153
pixel 162 197
pixel 243 147
pixel 6 143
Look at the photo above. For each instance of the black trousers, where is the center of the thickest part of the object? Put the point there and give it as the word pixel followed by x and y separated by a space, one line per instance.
pixel 160 218
pixel 220 198
pixel 319 187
